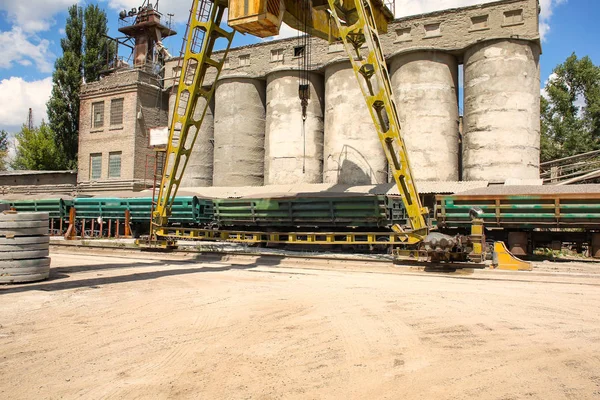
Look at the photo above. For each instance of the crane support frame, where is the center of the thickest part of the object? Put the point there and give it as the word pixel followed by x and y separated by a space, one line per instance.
pixel 357 28
pixel 356 22
pixel 204 29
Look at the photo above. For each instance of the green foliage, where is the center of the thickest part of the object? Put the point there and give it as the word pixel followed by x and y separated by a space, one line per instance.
pixel 36 150
pixel 570 111
pixel 98 49
pixel 84 30
pixel 3 149
pixel 63 106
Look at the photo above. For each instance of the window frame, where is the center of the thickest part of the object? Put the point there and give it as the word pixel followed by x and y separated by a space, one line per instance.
pixel 95 156
pixel 94 112
pixel 110 155
pixel 112 102
pixel 244 60
pixel 277 55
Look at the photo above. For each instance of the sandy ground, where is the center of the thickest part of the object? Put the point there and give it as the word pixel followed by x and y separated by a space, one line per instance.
pixel 121 328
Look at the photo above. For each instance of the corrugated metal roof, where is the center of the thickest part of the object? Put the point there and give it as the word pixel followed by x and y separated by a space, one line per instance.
pixel 326 189
pixel 533 190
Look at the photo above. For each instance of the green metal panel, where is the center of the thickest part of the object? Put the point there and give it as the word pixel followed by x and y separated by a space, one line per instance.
pixel 317 212
pixel 185 209
pixel 549 211
pixel 56 208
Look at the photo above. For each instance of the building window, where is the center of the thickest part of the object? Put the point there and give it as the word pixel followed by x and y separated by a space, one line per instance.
pixel 432 30
pixel 116 112
pixel 277 55
pixel 226 63
pixel 479 22
pixel 513 17
pixel 98 114
pixel 244 60
pixel 95 166
pixel 298 51
pixel 114 165
pixel 403 35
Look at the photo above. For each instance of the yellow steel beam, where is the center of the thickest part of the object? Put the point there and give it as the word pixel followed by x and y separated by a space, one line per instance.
pixel 203 31
pixel 319 238
pixel 357 27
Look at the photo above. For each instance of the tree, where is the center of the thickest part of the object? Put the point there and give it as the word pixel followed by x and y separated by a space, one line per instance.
pixel 36 150
pixel 84 30
pixel 63 106
pixel 98 49
pixel 570 110
pixel 3 149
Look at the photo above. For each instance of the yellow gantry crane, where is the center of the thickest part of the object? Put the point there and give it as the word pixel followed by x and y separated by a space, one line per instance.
pixel 355 23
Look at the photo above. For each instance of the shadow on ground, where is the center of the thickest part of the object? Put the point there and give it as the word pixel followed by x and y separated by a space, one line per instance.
pixel 58 276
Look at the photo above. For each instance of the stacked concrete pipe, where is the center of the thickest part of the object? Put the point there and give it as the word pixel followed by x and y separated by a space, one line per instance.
pixel 24 247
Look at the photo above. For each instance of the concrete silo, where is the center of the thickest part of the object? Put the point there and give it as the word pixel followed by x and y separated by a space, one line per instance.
pixel 293 154
pixel 239 133
pixel 425 85
pixel 502 111
pixel 352 151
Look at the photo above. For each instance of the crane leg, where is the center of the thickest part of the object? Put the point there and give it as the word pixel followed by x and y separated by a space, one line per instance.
pixel 194 92
pixel 356 25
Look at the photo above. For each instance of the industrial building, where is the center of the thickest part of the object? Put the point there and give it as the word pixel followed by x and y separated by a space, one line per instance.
pixel 254 135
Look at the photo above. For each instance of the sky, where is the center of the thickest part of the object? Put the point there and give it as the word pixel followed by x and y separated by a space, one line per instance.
pixel 30 33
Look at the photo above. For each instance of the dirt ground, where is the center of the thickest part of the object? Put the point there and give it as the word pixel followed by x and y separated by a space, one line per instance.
pixel 121 328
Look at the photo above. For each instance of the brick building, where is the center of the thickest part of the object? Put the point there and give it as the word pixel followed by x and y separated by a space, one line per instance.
pixel 116 115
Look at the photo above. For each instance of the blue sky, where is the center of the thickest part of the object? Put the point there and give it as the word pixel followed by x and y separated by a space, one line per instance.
pixel 30 32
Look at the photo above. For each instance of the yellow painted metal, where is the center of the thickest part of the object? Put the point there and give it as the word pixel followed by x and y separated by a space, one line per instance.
pixel 319 238
pixel 504 260
pixel 260 18
pixel 203 32
pixel 321 24
pixel 477 239
pixel 357 27
pixel 356 23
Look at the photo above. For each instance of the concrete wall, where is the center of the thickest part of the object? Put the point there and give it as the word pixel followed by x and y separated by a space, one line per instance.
pixel 502 111
pixel 35 178
pixel 239 132
pixel 352 151
pixel 425 85
pixel 456 33
pixel 293 147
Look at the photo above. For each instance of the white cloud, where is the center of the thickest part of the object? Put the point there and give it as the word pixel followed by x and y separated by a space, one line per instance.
pixel 412 7
pixel 34 15
pixel 16 46
pixel 17 96
pixel 180 8
pixel 284 32
pixel 543 91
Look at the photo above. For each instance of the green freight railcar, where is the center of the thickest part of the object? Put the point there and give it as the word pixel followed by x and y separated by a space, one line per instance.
pixel 521 212
pixel 313 212
pixel 188 210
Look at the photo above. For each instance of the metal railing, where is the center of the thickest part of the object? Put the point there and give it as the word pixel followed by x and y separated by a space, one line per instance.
pixel 574 169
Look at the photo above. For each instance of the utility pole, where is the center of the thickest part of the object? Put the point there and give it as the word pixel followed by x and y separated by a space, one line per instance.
pixel 30 120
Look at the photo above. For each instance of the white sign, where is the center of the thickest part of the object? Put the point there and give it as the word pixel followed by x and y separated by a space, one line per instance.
pixel 159 136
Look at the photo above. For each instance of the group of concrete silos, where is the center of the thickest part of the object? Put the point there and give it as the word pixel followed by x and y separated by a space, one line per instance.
pixel 254 133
